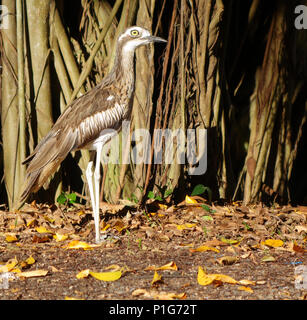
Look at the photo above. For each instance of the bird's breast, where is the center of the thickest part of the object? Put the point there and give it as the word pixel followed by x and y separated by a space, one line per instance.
pixel 101 126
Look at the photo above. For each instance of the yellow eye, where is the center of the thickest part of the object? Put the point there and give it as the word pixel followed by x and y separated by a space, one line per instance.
pixel 134 33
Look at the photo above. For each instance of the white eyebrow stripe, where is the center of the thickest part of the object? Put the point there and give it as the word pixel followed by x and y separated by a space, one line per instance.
pixel 109 98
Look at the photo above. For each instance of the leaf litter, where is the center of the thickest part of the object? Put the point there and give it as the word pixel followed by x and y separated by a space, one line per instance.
pixel 230 235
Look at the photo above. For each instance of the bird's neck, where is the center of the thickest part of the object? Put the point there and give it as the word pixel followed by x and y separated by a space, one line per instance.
pixel 123 69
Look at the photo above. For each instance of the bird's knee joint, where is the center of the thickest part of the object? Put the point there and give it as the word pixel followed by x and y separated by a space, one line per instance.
pixel 97 175
pixel 89 171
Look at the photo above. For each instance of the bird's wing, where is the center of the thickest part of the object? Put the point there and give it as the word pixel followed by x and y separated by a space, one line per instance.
pixel 81 123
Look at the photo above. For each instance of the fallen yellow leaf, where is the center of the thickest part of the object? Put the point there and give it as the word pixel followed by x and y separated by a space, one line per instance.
pixel 9 265
pixel 227 260
pixel 73 298
pixel 273 243
pixel 156 278
pixel 106 276
pixel 49 219
pixel 30 222
pixel 11 238
pixel 190 200
pixel 223 278
pixel 34 273
pixel 115 267
pixel 106 227
pixel 248 289
pixel 43 230
pixel 267 258
pixel 186 226
pixel 245 282
pixel 204 279
pixel 83 274
pixel 80 213
pixel 230 241
pixel 169 266
pixel 120 226
pixel 162 206
pixel 204 248
pixel 30 260
pixel 60 237
pixel 76 244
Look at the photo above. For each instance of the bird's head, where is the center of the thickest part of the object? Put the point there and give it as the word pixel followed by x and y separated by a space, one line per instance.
pixel 134 37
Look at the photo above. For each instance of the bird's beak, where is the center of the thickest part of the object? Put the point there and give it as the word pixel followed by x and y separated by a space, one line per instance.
pixel 154 39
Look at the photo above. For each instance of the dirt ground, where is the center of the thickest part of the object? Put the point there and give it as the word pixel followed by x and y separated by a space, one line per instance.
pixel 189 251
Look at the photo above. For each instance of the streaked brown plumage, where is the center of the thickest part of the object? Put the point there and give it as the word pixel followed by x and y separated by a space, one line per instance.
pixel 83 123
pixel 85 118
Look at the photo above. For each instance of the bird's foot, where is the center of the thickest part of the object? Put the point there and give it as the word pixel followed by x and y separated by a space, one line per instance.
pixel 107 236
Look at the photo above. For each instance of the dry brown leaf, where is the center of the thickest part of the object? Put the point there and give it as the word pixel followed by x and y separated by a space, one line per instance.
pixel 73 298
pixel 297 248
pixel 300 229
pixel 267 258
pixel 245 282
pixel 215 243
pixel 170 296
pixel 114 208
pixel 153 294
pixel 41 238
pixel 247 289
pixel 34 273
pixel 119 225
pixel 227 260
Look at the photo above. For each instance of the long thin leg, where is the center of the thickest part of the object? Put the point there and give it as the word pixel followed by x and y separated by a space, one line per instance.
pixel 89 178
pixel 97 184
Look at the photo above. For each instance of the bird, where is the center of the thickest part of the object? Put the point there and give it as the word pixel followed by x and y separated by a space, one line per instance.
pixel 90 121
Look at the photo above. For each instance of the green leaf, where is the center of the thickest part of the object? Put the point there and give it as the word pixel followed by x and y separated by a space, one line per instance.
pixel 151 195
pixel 72 197
pixel 61 199
pixel 133 198
pixel 247 227
pixel 198 190
pixel 205 231
pixel 168 193
pixel 208 209
pixel 207 218
pixel 140 243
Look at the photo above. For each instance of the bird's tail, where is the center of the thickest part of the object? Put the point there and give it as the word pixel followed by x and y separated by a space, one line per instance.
pixel 44 161
pixel 36 179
